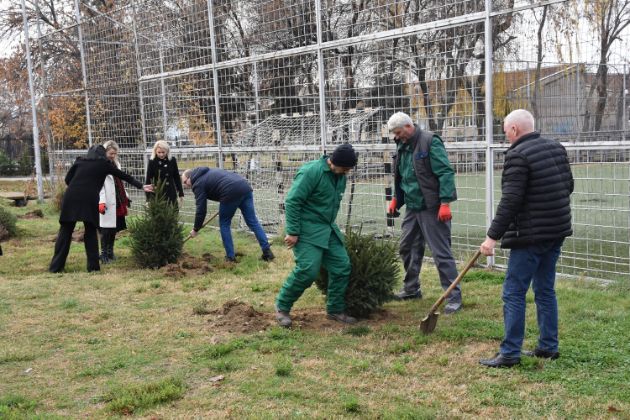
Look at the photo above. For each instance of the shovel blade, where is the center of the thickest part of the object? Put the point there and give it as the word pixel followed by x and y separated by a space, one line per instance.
pixel 429 322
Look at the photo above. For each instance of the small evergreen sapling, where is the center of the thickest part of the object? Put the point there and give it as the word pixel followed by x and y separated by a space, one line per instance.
pixel 157 238
pixel 375 273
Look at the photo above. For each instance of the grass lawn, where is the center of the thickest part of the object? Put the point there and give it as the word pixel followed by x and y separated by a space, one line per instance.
pixel 151 344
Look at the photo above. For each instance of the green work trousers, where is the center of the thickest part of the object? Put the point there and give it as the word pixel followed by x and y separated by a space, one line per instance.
pixel 308 260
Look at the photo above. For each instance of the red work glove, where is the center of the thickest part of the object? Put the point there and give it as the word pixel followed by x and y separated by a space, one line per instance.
pixel 444 214
pixel 392 206
pixel 102 208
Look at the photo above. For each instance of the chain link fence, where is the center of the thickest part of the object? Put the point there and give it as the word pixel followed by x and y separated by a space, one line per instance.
pixel 261 86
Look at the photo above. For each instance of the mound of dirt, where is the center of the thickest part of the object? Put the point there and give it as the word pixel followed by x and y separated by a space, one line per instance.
pixel 173 270
pixel 239 317
pixel 188 264
pixel 78 236
pixel 35 214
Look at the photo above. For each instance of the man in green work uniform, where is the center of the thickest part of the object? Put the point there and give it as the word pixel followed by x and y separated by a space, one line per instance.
pixel 425 182
pixel 311 209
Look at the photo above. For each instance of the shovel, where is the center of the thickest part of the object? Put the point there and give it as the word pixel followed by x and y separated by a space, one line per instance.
pixel 203 226
pixel 430 321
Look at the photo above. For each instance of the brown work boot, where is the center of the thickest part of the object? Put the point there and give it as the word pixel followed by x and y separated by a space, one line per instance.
pixel 283 318
pixel 343 318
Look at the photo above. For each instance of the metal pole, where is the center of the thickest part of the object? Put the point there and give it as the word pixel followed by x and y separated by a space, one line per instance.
pixel 489 122
pixel 215 83
pixel 257 104
pixel 623 103
pixel 77 14
pixel 163 90
pixel 140 91
pixel 322 85
pixel 47 131
pixel 31 85
pixel 579 106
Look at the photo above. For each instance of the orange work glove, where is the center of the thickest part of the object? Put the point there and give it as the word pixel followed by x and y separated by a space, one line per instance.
pixel 444 214
pixel 392 207
pixel 102 208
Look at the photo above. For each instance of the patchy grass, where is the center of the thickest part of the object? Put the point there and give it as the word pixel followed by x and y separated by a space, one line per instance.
pixel 16 407
pixel 137 342
pixel 130 399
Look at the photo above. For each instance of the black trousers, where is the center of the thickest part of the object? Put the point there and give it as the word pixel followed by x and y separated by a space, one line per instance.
pixel 62 246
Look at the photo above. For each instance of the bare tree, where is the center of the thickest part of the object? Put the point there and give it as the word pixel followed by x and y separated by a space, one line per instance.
pixel 610 18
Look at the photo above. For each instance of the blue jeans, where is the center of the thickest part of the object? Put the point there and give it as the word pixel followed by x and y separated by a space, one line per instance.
pixel 226 213
pixel 537 265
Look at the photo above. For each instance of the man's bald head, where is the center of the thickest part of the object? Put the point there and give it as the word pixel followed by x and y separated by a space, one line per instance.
pixel 517 124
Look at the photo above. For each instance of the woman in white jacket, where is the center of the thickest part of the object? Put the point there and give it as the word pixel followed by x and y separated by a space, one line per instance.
pixel 113 205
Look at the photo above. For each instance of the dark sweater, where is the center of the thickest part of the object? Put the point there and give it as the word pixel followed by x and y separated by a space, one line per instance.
pixel 216 185
pixel 536 186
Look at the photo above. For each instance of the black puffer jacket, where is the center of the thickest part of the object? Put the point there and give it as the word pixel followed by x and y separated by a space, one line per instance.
pixel 536 186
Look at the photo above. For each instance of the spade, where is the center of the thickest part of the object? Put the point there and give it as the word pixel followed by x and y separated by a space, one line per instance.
pixel 430 321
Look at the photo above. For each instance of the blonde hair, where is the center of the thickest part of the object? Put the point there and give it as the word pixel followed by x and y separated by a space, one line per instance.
pixel 111 144
pixel 162 145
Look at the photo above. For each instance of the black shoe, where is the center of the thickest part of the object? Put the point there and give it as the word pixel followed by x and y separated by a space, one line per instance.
pixel 267 255
pixel 407 296
pixel 230 259
pixel 283 318
pixel 543 354
pixel 500 361
pixel 343 318
pixel 104 258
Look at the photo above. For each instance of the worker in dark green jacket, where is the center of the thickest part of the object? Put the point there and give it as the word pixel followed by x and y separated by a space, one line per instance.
pixel 311 209
pixel 424 181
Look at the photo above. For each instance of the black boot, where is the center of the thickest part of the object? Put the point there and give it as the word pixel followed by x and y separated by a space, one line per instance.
pixel 110 249
pixel 267 255
pixel 104 246
pixel 500 361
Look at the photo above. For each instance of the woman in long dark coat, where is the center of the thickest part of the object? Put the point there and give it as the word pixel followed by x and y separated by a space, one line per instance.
pixel 163 167
pixel 80 203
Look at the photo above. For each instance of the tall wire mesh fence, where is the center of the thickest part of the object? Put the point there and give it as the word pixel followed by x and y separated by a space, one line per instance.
pixel 261 86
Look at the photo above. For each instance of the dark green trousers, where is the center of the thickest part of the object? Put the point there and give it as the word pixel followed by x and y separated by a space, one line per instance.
pixel 308 260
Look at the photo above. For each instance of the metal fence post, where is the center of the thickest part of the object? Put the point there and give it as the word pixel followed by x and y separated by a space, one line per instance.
pixel 140 91
pixel 489 121
pixel 163 90
pixel 256 98
pixel 215 83
pixel 624 114
pixel 88 120
pixel 31 85
pixel 322 85
pixel 47 131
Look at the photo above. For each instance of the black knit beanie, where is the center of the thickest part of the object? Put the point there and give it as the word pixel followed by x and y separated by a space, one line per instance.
pixel 344 156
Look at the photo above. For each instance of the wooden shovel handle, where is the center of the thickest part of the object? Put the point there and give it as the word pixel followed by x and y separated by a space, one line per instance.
pixel 203 226
pixel 453 285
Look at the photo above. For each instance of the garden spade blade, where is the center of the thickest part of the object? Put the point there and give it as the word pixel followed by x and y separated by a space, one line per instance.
pixel 430 321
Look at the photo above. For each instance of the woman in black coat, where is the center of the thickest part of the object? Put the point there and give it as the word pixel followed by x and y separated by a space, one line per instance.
pixel 164 167
pixel 80 203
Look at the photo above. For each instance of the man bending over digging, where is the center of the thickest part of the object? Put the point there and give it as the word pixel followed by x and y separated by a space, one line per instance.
pixel 233 192
pixel 311 209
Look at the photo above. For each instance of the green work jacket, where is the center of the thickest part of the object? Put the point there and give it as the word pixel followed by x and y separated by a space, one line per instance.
pixel 312 203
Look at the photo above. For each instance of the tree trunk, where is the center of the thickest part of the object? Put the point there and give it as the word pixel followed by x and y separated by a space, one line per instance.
pixel 539 57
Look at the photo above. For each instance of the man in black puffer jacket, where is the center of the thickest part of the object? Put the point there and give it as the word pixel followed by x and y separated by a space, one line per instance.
pixel 533 218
